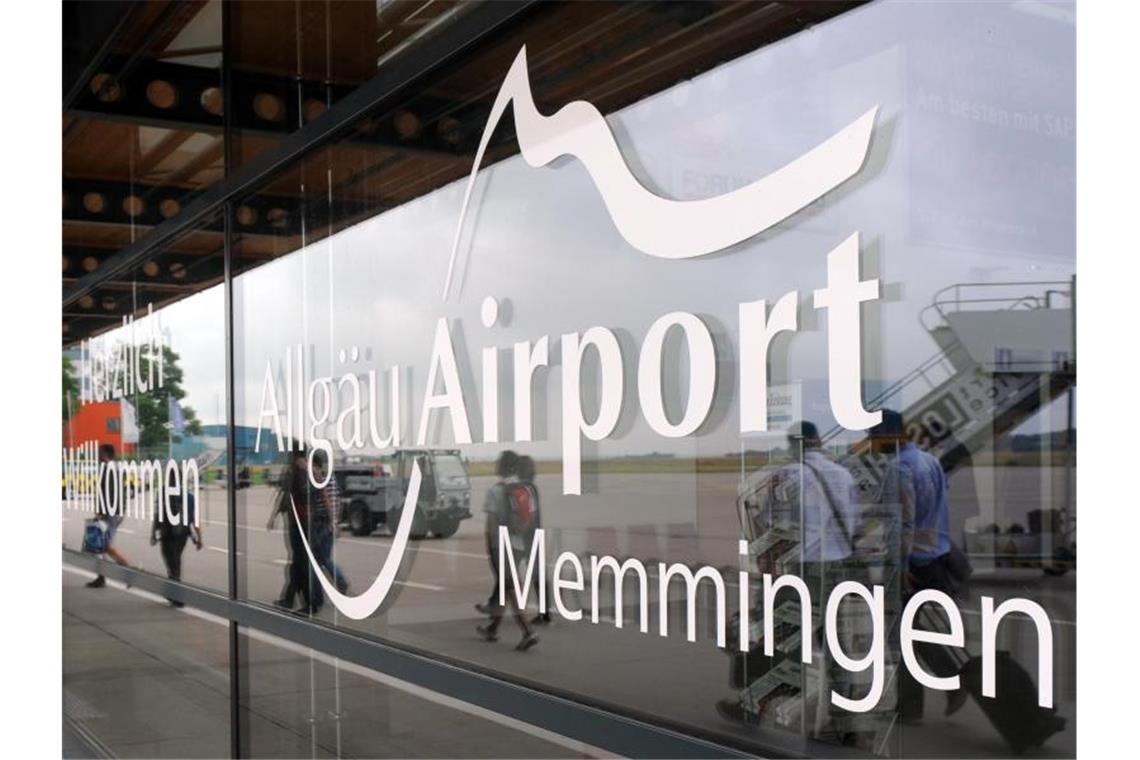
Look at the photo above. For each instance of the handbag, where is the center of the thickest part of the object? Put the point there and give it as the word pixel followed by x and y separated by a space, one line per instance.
pixel 959 567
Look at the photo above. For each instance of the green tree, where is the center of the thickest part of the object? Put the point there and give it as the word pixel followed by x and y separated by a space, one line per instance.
pixel 152 409
pixel 70 388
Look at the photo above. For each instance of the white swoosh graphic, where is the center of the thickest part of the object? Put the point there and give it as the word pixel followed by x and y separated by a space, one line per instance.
pixel 361 606
pixel 664 227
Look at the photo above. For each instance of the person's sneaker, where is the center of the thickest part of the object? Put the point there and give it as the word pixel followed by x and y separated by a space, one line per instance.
pixel 483 608
pixel 99 582
pixel 177 605
pixel 527 642
pixel 541 619
pixel 486 632
pixel 284 604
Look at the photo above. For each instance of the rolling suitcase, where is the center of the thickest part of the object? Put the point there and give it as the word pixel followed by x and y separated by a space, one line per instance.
pixel 1014 712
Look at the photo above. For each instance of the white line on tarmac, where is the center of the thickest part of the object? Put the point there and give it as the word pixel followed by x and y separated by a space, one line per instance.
pixel 428 586
pixel 420 548
pixel 363 541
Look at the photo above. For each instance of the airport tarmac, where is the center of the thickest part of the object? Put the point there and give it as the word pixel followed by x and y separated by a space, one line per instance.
pixel 671 517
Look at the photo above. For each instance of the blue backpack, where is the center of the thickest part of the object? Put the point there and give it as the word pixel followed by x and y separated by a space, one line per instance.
pixel 95 536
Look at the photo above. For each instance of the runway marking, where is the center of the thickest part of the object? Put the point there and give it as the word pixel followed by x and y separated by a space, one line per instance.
pixel 420 548
pixel 364 541
pixel 427 586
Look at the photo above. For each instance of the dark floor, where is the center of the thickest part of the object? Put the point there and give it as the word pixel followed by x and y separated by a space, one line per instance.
pixel 142 679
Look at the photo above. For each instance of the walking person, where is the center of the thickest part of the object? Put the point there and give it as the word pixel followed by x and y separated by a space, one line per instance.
pixel 105 498
pixel 172 538
pixel 916 481
pixel 498 506
pixel 526 474
pixel 325 522
pixel 506 467
pixel 818 495
pixel 300 575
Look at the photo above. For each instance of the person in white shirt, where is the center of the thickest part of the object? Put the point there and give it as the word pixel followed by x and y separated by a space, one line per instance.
pixel 820 495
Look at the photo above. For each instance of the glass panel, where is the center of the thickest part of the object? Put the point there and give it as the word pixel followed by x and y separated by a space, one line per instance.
pixel 961 209
pixel 141 679
pixel 300 703
pixel 147 368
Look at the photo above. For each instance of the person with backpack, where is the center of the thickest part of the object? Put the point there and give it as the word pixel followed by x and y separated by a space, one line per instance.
pixel 172 538
pixel 106 497
pixel 526 475
pixel 508 504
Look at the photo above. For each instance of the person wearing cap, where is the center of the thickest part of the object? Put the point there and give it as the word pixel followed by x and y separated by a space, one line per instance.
pixel 824 494
pixel 916 481
pixel 823 497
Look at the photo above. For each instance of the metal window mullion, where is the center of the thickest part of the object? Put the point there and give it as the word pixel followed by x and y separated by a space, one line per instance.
pixel 231 442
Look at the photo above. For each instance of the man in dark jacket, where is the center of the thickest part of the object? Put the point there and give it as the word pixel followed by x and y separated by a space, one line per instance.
pixel 172 538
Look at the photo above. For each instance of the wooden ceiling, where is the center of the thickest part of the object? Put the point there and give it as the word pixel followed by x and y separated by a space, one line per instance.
pixel 146 134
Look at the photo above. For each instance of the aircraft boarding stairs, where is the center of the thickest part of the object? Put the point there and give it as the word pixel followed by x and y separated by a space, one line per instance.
pixel 1006 350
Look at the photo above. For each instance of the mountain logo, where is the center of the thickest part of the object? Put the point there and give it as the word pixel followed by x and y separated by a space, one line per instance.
pixel 664 227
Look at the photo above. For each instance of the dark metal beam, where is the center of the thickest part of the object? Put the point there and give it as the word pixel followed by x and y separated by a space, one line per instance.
pixel 392 79
pixel 93 201
pixel 90 27
pixel 285 103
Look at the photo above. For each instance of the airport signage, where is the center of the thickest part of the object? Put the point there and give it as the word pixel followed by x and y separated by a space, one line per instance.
pixel 365 412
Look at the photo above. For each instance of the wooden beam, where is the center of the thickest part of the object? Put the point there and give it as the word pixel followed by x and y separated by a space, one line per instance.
pixel 158 153
pixel 210 154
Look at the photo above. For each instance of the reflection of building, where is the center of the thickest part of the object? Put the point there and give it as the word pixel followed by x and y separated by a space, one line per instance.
pixel 245 441
pixel 101 422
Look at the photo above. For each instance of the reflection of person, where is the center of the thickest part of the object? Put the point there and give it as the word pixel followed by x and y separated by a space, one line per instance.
pixel 498 506
pixel 526 475
pixel 106 498
pixel 300 576
pixel 825 495
pixel 506 467
pixel 923 494
pixel 819 496
pixel 172 538
pixel 325 517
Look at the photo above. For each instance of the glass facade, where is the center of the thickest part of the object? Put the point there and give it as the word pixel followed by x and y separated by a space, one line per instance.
pixel 779 308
